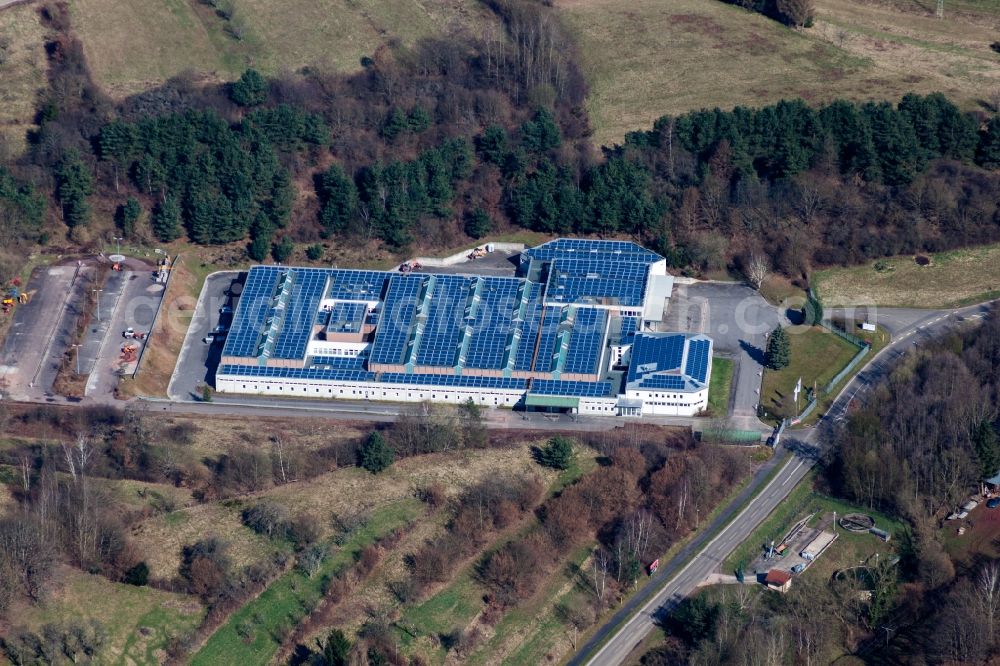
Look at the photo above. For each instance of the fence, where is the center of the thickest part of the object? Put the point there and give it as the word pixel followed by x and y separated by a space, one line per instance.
pixel 156 317
pixel 847 369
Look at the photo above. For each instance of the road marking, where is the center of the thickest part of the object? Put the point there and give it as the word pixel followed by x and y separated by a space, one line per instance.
pixel 788 478
pixel 677 576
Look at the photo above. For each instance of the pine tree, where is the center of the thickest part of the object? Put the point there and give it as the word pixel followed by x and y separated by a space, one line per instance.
pixel 987 446
pixel 376 455
pixel 338 199
pixel 250 89
pixel 779 350
pixel 336 650
pixel 167 220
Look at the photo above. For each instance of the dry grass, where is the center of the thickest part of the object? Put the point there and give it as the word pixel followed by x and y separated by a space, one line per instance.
pixel 22 75
pixel 952 279
pixel 705 53
pixel 345 492
pixel 134 45
pixel 139 620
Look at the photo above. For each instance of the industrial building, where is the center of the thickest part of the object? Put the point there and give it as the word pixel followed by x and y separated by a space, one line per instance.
pixel 577 330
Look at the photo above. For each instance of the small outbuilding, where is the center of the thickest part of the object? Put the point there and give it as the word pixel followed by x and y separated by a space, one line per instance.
pixel 778 580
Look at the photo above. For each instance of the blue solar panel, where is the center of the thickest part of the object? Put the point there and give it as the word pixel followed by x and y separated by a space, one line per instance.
pixel 655 353
pixel 669 382
pixel 615 283
pixel 398 312
pixel 443 331
pixel 595 249
pixel 570 388
pixel 629 327
pixel 453 380
pixel 548 340
pixel 350 285
pixel 529 329
pixel 345 317
pixel 492 327
pixel 586 340
pixel 339 362
pixel 697 359
pixel 329 374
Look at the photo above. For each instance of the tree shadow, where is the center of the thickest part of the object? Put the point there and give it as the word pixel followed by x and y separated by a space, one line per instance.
pixel 796 316
pixel 754 352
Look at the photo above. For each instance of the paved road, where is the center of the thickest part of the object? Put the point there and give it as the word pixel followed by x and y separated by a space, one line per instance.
pixel 910 328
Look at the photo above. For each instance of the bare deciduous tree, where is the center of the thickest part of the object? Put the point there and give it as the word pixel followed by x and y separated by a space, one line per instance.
pixel 757 270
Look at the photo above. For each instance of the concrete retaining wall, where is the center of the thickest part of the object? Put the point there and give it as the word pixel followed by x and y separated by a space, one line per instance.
pixel 463 256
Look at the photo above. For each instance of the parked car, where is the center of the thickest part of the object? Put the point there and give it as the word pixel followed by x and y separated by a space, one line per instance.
pixel 226 309
pixel 221 328
pixel 993 502
pixel 799 568
pixel 209 339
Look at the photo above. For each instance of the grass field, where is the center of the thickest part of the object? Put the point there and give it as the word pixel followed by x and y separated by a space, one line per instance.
pixel 139 620
pixel 22 73
pixel 720 385
pixel 133 45
pixel 692 54
pixel 283 604
pixel 953 279
pixel 817 356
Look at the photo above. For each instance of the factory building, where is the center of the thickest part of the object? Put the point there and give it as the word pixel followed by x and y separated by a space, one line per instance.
pixel 576 330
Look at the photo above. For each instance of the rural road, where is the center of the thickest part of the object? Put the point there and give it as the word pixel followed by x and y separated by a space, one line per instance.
pixel 676 579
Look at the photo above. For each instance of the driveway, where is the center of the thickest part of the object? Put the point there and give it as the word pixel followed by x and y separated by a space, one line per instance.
pixel 197 361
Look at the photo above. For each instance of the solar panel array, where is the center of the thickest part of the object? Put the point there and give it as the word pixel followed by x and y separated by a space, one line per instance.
pixel 395 323
pixel 697 359
pixel 570 388
pixel 308 286
pixel 492 327
pixel 446 320
pixel 656 361
pixel 597 249
pixel 346 317
pixel 350 285
pixel 548 339
pixel 589 280
pixel 453 380
pixel 338 362
pixel 256 302
pixel 586 341
pixel 264 372
pixel 630 325
pixel 529 329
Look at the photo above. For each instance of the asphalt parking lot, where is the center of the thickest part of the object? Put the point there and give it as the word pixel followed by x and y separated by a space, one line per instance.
pixel 496 264
pixel 31 352
pixel 134 308
pixel 198 361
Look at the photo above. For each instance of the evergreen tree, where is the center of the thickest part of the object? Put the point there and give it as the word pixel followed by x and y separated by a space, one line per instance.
pixel 74 183
pixel 336 649
pixel 478 223
pixel 541 134
pixel 338 199
pixel 418 119
pixel 283 249
pixel 250 89
pixel 127 214
pixel 492 145
pixel 557 453
pixel 395 124
pixel 167 220
pixel 987 445
pixel 988 152
pixel 778 349
pixel 376 454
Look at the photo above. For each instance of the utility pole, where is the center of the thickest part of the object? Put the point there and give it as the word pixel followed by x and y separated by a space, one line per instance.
pixel 77 348
pixel 118 244
pixel 98 299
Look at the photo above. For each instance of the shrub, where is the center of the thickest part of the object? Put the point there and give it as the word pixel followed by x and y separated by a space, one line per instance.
pixel 376 455
pixel 314 252
pixel 268 518
pixel 250 89
pixel 138 575
pixel 478 223
pixel 557 453
pixel 283 249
